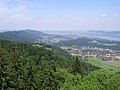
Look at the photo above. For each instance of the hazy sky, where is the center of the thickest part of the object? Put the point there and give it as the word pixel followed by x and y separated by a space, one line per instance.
pixel 60 14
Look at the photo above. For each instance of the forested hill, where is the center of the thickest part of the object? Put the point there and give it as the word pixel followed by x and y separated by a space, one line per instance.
pixel 42 67
pixel 38 66
pixel 31 36
pixel 22 36
pixel 92 42
pixel 26 66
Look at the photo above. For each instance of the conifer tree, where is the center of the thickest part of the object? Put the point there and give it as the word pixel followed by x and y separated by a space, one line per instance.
pixel 30 71
pixel 16 71
pixel 78 67
pixel 4 74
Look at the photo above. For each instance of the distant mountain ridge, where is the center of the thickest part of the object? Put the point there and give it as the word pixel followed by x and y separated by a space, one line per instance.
pixel 31 36
pixel 23 35
pixel 92 43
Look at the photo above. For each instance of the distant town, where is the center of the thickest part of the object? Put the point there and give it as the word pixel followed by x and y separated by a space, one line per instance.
pixel 105 55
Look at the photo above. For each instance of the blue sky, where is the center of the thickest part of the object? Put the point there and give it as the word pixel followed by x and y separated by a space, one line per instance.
pixel 60 14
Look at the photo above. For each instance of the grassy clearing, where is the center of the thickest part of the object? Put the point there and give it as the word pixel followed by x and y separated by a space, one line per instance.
pixel 112 63
pixel 115 65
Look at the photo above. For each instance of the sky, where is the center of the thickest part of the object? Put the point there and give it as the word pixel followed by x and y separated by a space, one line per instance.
pixel 60 14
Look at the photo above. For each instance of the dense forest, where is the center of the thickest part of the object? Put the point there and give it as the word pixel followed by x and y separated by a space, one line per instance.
pixel 26 66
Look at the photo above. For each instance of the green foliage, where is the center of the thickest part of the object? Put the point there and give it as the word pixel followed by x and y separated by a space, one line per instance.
pixel 4 74
pixel 29 67
pixel 47 78
pixel 114 65
pixel 97 80
pixel 29 75
pixel 80 67
pixel 101 80
pixel 77 67
pixel 90 42
pixel 22 36
pixel 70 81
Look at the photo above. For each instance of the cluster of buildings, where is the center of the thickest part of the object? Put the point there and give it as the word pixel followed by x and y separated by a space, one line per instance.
pixel 104 55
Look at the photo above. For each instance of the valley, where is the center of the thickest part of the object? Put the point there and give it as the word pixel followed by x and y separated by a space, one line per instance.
pixel 33 60
pixel 75 44
pixel 105 52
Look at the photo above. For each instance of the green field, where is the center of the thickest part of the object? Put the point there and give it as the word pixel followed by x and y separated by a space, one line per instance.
pixel 115 65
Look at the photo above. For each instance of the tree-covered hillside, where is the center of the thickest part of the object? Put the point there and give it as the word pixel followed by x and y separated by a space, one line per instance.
pixel 92 43
pixel 31 36
pixel 25 66
pixel 22 36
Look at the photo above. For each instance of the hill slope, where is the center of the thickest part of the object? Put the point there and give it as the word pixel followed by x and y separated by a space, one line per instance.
pixel 92 42
pixel 22 36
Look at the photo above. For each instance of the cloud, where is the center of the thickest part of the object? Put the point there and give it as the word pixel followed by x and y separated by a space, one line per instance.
pixel 6 11
pixel 116 14
pixel 15 14
pixel 104 15
pixel 110 15
pixel 74 18
pixel 29 4
pixel 3 9
pixel 12 15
